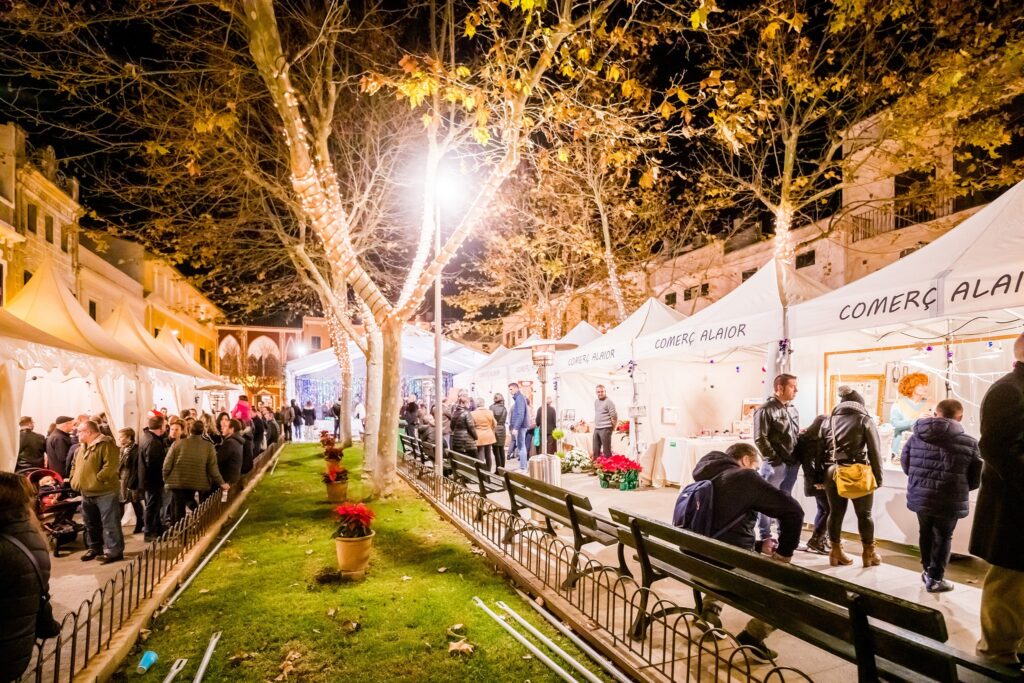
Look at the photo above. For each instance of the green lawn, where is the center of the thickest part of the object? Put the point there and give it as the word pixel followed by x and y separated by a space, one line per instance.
pixel 262 592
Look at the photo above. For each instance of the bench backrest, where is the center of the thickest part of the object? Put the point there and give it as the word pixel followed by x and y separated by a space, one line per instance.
pixel 815 606
pixel 545 498
pixel 463 466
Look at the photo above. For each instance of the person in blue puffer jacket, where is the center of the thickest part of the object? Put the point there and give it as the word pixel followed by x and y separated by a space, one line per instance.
pixel 943 465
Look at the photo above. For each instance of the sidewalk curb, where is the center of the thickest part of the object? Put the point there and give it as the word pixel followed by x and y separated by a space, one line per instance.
pixel 104 664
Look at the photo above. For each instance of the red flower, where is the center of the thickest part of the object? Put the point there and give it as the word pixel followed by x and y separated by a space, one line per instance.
pixel 616 463
pixel 335 475
pixel 354 520
pixel 332 453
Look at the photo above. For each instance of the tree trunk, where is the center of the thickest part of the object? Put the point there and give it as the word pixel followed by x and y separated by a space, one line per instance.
pixel 609 259
pixel 387 444
pixel 346 394
pixel 372 400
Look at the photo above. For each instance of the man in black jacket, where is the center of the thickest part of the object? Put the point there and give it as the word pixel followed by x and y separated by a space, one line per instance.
pixel 31 447
pixel 230 452
pixel 152 451
pixel 999 516
pixel 776 428
pixel 58 446
pixel 740 493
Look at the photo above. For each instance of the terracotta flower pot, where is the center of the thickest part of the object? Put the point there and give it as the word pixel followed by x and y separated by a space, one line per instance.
pixel 354 555
pixel 337 492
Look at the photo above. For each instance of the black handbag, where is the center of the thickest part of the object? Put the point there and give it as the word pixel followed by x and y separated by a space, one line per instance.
pixel 46 625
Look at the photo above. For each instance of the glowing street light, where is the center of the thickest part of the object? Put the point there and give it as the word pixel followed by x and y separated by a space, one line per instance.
pixel 542 351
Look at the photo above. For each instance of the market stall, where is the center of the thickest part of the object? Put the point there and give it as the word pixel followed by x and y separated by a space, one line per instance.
pixel 949 311
pixel 713 367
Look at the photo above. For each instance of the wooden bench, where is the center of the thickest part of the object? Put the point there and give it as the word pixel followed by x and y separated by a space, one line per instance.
pixel 422 453
pixel 470 473
pixel 887 637
pixel 567 508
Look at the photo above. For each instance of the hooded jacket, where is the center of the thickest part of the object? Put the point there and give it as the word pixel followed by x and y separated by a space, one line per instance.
pixel 856 437
pixel 999 514
pixel 738 490
pixel 229 458
pixel 152 451
pixel 943 465
pixel 776 427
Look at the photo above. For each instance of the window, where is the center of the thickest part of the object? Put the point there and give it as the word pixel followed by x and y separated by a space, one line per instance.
pixel 805 259
pixel 202 357
pixel 747 274
pixel 48 222
pixel 670 299
pixel 705 289
pixel 691 293
pixel 65 238
pixel 31 218
pixel 688 293
pixel 27 277
pixel 314 342
pixel 92 309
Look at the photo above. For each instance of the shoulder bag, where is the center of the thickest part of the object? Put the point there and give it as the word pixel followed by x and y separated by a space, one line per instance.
pixel 46 625
pixel 853 480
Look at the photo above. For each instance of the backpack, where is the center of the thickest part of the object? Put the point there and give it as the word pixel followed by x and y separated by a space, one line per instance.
pixel 695 509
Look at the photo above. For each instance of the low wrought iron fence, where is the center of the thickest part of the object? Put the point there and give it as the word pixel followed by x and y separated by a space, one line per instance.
pixel 87 631
pixel 672 647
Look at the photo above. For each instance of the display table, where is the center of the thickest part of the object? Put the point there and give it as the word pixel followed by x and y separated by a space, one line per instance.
pixel 585 442
pixel 680 455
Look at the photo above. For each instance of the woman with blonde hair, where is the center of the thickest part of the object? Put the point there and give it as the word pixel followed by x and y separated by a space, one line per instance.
pixel 908 409
pixel 483 420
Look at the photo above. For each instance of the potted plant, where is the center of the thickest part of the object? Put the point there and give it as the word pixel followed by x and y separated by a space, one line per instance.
pixel 618 471
pixel 336 479
pixel 332 453
pixel 576 460
pixel 353 539
pixel 326 439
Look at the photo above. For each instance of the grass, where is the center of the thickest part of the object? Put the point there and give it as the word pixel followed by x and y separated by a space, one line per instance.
pixel 261 592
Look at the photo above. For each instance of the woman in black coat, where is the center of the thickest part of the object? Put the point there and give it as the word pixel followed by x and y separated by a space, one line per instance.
pixel 463 428
pixel 296 420
pixel 20 588
pixel 128 473
pixel 501 420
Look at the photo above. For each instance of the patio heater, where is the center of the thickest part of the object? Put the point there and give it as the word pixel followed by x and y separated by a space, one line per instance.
pixel 543 466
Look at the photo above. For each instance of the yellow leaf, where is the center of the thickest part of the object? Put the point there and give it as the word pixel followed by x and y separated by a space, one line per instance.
pixel 469 102
pixel 647 179
pixel 682 95
pixel 798 21
pixel 481 135
pixel 470 30
pixel 629 87
pixel 583 54
pixel 769 31
pixel 699 18
pixel 563 156
pixel 155 148
pixel 614 72
pixel 427 120
pixel 462 72
pixel 526 5
pixel 666 110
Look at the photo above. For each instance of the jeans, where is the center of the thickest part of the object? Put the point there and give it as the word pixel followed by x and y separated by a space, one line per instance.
pixel 935 538
pixel 782 477
pixel 519 447
pixel 838 504
pixel 603 441
pixel 102 516
pixel 821 516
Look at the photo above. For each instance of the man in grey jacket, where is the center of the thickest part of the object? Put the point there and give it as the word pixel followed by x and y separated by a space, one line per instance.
pixel 605 419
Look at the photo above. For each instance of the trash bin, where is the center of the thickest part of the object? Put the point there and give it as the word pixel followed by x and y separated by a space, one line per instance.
pixel 547 468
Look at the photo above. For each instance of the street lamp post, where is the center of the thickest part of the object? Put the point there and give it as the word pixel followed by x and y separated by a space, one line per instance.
pixel 542 352
pixel 438 330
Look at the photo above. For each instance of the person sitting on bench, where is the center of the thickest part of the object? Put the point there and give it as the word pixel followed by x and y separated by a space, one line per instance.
pixel 740 493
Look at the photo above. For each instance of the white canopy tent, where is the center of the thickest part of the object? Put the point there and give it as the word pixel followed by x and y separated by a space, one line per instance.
pixel 467 378
pixel 708 363
pixel 106 383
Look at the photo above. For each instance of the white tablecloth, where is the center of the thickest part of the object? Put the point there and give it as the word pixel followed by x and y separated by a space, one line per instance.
pixel 680 455
pixel 585 441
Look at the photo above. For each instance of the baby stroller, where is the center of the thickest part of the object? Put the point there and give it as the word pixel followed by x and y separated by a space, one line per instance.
pixel 56 505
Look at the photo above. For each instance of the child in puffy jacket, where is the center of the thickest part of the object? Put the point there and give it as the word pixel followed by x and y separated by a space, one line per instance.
pixel 943 465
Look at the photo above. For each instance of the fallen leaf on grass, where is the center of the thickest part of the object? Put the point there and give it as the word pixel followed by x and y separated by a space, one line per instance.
pixel 527 656
pixel 204 591
pixel 316 630
pixel 442 570
pixel 406 578
pixel 288 665
pixel 331 612
pixel 144 634
pixel 350 626
pixel 236 660
pixel 309 552
pixel 478 551
pixel 461 647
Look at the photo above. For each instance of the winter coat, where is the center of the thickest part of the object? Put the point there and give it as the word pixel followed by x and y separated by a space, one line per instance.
pixel 500 413
pixel 814 456
pixel 152 451
pixel 58 445
pixel 856 437
pixel 776 427
pixel 287 415
pixel 273 432
pixel 248 450
pixel 31 450
pixel 410 415
pixel 296 414
pixel 191 464
pixel 552 419
pixel 999 514
pixel 128 473
pixel 463 431
pixel 741 491
pixel 485 424
pixel 308 416
pixel 229 458
pixel 259 427
pixel 19 595
pixel 94 471
pixel 519 417
pixel 943 465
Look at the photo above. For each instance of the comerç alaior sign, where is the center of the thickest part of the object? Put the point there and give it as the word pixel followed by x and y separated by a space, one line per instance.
pixel 955 294
pixel 736 332
pixel 581 359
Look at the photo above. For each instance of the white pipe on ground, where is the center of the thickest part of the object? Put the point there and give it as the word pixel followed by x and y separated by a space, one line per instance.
pixel 551 645
pixel 559 671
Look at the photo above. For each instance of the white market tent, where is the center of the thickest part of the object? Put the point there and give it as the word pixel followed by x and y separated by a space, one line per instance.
pixel 467 378
pixel 583 333
pixel 106 383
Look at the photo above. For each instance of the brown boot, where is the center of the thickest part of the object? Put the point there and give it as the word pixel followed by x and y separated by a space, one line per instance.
pixel 871 556
pixel 836 556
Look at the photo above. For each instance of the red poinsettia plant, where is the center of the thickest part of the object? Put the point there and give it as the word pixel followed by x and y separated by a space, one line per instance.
pixel 616 464
pixel 335 475
pixel 622 427
pixel 332 453
pixel 326 439
pixel 354 521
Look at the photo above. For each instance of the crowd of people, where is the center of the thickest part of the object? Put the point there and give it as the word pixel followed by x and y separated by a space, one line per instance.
pixel 841 457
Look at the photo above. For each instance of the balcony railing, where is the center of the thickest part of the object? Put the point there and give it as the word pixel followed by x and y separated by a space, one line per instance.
pixel 899 214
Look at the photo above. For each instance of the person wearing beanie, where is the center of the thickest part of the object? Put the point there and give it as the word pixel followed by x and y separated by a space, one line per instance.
pixel 851 435
pixel 58 446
